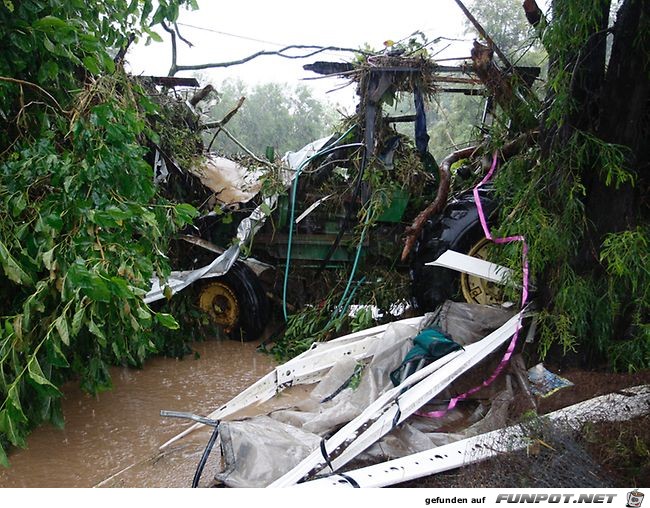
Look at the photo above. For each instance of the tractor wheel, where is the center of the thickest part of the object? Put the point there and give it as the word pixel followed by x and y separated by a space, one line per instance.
pixel 476 289
pixel 236 302
pixel 457 228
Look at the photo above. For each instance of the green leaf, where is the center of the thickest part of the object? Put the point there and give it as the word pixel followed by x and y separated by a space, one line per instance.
pixel 56 414
pixel 116 350
pixel 11 267
pixel 48 257
pixel 18 204
pixel 154 36
pixel 13 402
pixel 143 314
pixel 61 325
pixel 108 62
pixel 266 209
pixel 4 461
pixel 49 22
pixel 54 221
pixel 55 356
pixel 186 212
pixel 91 64
pixel 77 320
pixel 49 45
pixel 90 284
pixel 120 288
pixel 96 331
pixel 9 5
pixel 8 427
pixel 37 376
pixel 167 320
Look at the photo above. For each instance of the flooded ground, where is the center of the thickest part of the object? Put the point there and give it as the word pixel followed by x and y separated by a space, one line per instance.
pixel 113 440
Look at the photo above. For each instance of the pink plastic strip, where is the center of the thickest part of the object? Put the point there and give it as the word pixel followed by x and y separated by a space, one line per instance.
pixel 524 298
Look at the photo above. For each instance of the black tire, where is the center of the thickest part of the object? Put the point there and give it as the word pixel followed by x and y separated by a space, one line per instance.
pixel 457 228
pixel 241 284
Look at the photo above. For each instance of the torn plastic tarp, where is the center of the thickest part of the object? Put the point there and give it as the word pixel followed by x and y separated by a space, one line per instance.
pixel 231 182
pixel 335 401
pixel 620 406
pixel 246 230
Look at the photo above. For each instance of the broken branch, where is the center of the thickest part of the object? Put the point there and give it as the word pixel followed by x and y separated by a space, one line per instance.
pixel 219 125
pixel 201 94
pixel 36 87
pixel 240 145
pixel 413 231
pixel 281 53
pixel 225 119
pixel 484 34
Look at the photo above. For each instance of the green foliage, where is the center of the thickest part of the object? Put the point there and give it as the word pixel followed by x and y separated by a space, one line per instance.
pixel 83 228
pixel 625 257
pixel 321 322
pixel 172 335
pixel 546 204
pixel 622 447
pixel 273 115
pixel 305 327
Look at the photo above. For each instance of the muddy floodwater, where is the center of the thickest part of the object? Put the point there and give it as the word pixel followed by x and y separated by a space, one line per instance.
pixel 112 440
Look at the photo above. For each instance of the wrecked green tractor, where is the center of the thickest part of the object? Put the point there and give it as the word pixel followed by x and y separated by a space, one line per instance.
pixel 355 203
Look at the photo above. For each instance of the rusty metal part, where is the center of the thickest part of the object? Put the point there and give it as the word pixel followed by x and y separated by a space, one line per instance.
pixel 413 231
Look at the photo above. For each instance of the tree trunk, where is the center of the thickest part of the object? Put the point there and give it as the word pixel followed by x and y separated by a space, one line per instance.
pixel 610 101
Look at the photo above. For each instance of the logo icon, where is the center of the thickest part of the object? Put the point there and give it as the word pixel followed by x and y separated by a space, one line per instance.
pixel 634 499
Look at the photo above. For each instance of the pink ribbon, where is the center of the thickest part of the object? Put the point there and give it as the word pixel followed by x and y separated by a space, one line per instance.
pixel 524 298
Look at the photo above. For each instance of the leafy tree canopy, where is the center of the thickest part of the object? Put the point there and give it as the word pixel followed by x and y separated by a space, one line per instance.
pixel 83 229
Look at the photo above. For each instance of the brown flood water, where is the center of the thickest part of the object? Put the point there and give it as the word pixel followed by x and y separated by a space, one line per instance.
pixel 123 428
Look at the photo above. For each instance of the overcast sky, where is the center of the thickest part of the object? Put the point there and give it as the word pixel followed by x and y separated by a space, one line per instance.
pixel 223 31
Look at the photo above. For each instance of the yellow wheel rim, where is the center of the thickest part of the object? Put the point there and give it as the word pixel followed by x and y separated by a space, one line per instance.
pixel 220 303
pixel 475 289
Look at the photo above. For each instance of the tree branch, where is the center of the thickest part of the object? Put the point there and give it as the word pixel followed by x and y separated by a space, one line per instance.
pixel 122 52
pixel 281 53
pixel 181 37
pixel 225 119
pixel 444 172
pixel 201 94
pixel 219 125
pixel 36 87
pixel 243 147
pixel 173 69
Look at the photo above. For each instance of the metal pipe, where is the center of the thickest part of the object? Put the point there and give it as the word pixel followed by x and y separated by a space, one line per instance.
pixel 189 416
